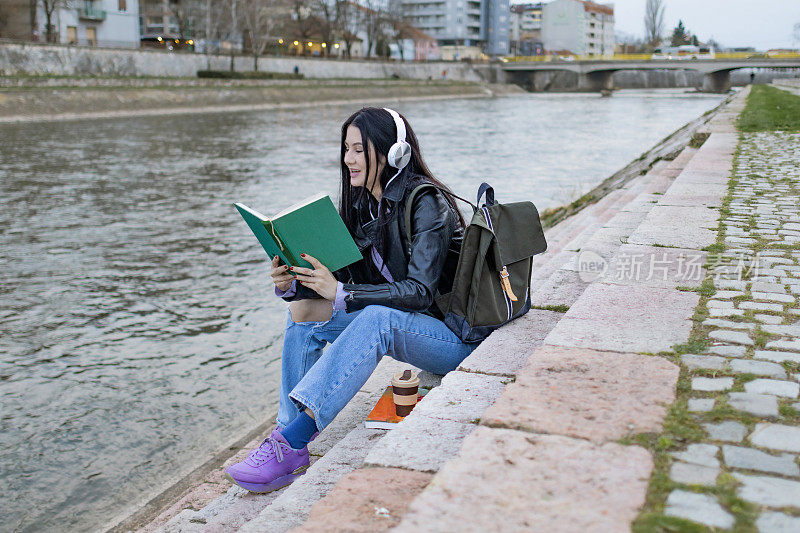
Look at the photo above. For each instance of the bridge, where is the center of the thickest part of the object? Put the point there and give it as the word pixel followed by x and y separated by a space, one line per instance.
pixel 598 74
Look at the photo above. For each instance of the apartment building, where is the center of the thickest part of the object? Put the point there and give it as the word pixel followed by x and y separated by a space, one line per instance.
pixel 525 30
pixel 462 28
pixel 578 26
pixel 110 23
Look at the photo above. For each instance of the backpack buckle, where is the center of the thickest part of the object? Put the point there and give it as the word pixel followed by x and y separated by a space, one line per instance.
pixel 506 283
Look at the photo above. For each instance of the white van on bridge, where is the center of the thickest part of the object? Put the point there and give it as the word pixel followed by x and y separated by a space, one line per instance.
pixel 684 52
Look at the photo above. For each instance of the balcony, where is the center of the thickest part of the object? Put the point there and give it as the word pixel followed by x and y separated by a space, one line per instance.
pixel 89 12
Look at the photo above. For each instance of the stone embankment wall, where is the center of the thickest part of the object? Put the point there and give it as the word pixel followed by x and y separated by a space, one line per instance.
pixel 657 79
pixel 38 59
pixel 41 59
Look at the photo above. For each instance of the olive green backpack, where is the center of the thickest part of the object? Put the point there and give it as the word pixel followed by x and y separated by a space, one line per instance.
pixel 493 276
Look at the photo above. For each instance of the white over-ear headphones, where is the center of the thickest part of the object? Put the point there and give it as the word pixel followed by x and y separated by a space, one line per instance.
pixel 400 153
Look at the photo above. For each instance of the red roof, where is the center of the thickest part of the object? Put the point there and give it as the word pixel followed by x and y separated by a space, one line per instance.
pixel 362 8
pixel 590 6
pixel 410 32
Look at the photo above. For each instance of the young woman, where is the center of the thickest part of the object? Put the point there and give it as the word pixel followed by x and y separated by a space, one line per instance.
pixel 382 305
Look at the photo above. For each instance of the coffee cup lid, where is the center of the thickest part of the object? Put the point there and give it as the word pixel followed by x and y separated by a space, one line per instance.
pixel 405 378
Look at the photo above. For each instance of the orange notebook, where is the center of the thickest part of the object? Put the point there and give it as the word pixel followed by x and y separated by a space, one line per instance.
pixel 383 415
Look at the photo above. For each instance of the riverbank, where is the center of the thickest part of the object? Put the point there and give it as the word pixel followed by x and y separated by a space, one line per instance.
pixel 77 98
pixel 434 434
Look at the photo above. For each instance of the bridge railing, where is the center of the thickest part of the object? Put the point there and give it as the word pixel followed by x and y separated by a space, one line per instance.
pixel 648 57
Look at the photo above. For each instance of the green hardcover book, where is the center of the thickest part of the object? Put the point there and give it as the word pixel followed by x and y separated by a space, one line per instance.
pixel 312 226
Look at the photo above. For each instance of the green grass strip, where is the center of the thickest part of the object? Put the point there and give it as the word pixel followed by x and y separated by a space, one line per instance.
pixel 770 109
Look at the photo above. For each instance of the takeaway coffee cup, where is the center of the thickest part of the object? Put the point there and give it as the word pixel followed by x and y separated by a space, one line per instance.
pixel 405 387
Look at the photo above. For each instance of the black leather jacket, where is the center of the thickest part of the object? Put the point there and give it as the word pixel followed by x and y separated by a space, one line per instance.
pixel 436 236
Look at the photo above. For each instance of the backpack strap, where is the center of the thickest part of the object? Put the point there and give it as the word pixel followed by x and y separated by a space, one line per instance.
pixel 485 188
pixel 409 203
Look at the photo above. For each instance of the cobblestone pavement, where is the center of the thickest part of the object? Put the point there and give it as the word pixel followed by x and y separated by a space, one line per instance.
pixel 744 387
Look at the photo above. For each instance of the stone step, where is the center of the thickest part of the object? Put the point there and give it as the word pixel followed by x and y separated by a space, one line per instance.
pixel 567 229
pixel 290 509
pixel 561 280
pixel 585 225
pixel 424 440
pixel 668 222
pixel 337 450
pixel 577 218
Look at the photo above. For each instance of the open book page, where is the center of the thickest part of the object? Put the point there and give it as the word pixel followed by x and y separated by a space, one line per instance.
pixel 314 227
pixel 262 229
pixel 298 205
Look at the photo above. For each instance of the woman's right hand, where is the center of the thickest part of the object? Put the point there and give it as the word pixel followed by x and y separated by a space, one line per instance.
pixel 280 276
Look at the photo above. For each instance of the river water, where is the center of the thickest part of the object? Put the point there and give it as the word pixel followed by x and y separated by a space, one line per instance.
pixel 138 333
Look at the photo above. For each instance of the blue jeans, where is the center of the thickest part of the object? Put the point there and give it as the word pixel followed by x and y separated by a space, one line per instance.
pixel 325 382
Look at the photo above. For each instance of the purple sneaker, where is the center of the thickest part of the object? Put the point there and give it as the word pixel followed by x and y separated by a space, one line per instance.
pixel 274 464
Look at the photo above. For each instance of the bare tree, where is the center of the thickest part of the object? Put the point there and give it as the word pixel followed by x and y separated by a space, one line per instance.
pixel 397 27
pixel 654 21
pixel 214 13
pixel 796 34
pixel 259 19
pixel 327 16
pixel 233 27
pixel 49 7
pixel 209 33
pixel 372 22
pixel 187 14
pixel 347 15
pixel 304 24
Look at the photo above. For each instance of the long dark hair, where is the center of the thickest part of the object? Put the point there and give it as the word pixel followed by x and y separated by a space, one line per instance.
pixel 378 129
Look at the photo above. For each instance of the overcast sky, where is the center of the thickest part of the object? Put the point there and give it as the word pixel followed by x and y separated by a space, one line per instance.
pixel 763 24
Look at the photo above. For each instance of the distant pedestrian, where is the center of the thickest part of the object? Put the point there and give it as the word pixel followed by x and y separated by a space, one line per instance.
pixel 444 74
pixel 752 77
pixel 296 70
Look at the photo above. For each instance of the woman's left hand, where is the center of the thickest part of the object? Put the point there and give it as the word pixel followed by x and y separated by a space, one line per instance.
pixel 319 279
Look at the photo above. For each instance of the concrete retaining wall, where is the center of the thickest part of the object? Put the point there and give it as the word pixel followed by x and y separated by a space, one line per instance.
pixel 656 79
pixel 38 59
pixel 43 59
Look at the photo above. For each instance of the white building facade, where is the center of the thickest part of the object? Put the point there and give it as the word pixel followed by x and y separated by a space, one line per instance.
pixel 462 27
pixel 579 27
pixel 525 34
pixel 107 23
